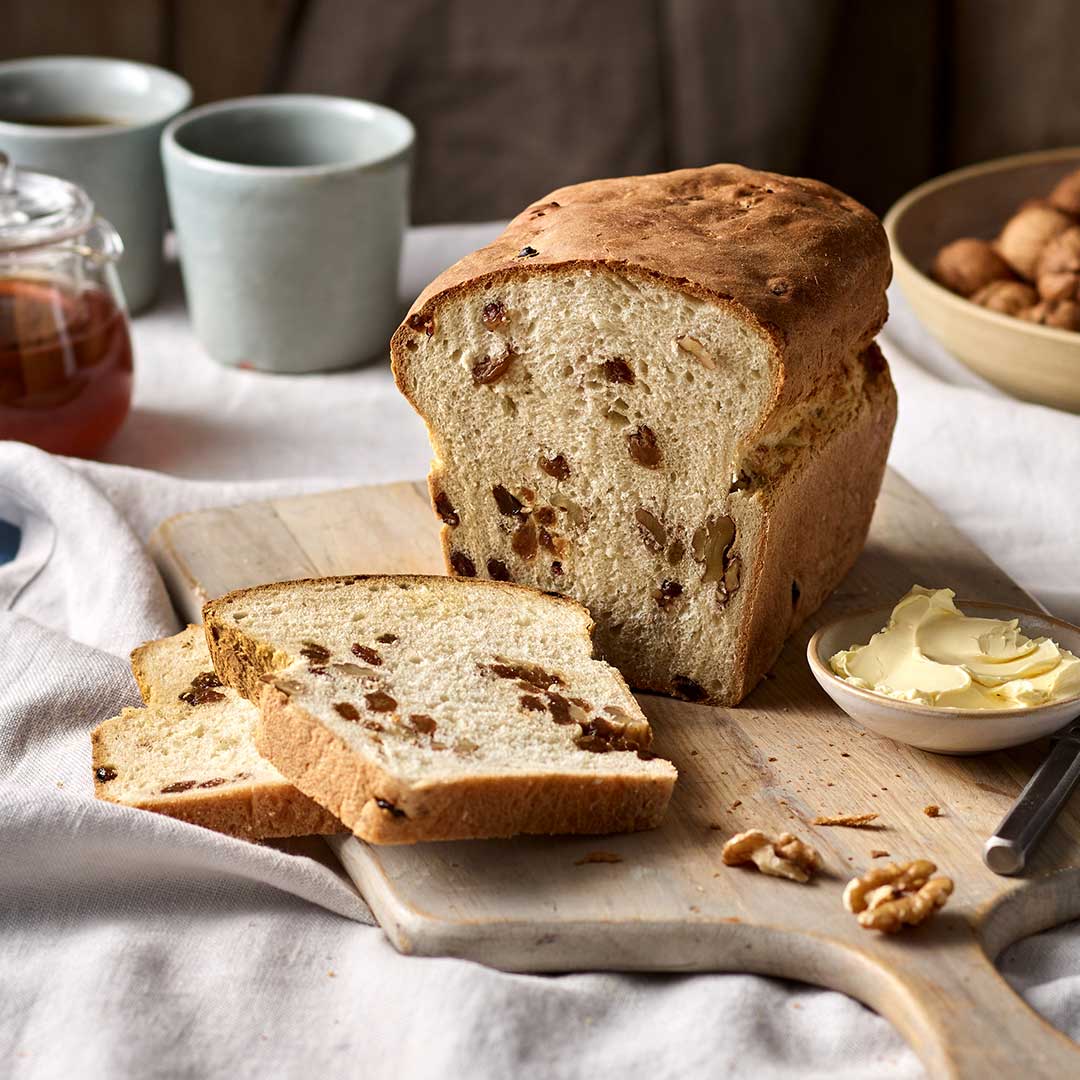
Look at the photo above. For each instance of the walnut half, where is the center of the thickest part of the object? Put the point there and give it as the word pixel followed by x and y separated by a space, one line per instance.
pixel 783 856
pixel 893 896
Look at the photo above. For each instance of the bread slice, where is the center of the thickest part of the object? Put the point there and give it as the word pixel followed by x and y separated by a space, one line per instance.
pixel 190 754
pixel 660 396
pixel 424 708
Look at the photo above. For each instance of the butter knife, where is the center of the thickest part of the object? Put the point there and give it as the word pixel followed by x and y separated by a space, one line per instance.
pixel 1007 851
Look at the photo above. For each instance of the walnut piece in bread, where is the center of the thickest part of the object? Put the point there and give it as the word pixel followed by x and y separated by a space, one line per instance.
pixel 695 352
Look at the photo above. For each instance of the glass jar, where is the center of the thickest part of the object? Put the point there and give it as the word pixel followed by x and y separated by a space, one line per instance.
pixel 65 349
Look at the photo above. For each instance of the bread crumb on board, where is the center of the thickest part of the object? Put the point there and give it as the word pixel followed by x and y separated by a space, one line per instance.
pixel 598 857
pixel 933 810
pixel 877 853
pixel 851 821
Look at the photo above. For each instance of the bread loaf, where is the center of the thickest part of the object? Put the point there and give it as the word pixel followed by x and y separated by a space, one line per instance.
pixel 190 754
pixel 432 709
pixel 661 396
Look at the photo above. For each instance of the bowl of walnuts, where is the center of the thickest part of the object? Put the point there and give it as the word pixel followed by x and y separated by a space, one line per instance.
pixel 989 259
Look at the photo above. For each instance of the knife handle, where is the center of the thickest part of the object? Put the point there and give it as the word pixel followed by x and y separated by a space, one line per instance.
pixel 1007 850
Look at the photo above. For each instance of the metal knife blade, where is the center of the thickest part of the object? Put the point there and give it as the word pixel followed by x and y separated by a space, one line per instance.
pixel 1007 850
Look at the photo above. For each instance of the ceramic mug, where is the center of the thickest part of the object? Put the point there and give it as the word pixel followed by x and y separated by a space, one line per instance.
pixel 290 212
pixel 97 122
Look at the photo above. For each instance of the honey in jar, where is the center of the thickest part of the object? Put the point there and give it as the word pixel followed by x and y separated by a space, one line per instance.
pixel 65 349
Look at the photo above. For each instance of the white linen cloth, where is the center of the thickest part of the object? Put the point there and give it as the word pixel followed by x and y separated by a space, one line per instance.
pixel 135 946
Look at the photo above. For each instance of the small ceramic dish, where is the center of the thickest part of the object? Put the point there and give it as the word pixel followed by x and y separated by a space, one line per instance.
pixel 944 731
pixel 1037 363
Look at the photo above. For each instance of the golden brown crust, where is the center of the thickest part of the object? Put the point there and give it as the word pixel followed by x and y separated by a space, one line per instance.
pixel 139 670
pixel 817 526
pixel 797 260
pixel 259 811
pixel 324 767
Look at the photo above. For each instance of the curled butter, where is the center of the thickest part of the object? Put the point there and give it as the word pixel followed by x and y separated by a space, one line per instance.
pixel 934 654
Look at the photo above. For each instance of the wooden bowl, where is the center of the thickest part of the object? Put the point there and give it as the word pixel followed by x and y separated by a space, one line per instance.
pixel 1036 363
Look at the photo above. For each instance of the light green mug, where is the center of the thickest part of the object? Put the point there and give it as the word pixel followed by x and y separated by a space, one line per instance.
pixel 97 122
pixel 290 212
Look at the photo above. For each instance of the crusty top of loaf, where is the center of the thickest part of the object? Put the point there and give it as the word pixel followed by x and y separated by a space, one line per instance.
pixel 804 261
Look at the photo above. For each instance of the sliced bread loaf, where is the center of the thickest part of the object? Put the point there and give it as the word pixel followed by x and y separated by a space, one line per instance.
pixel 191 752
pixel 428 708
pixel 660 395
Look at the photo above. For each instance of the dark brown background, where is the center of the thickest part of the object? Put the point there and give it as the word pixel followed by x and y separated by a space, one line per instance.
pixel 515 97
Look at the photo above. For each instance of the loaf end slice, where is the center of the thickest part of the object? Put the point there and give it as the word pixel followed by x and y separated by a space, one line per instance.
pixel 428 708
pixel 190 753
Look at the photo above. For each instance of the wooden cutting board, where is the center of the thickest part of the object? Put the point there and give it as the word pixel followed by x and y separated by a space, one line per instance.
pixel 662 900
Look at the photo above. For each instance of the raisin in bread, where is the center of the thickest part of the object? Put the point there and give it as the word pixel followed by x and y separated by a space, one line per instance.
pixel 425 708
pixel 191 753
pixel 660 395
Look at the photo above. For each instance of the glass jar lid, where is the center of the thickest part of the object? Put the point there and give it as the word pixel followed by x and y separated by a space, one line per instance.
pixel 37 209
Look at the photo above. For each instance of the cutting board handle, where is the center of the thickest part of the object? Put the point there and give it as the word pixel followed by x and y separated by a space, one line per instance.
pixel 953 1005
pixel 936 984
pixel 966 1022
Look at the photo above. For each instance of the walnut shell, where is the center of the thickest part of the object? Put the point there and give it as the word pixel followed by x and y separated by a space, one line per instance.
pixel 1066 194
pixel 1062 253
pixel 1059 266
pixel 1059 286
pixel 967 265
pixel 1008 297
pixel 1027 233
pixel 1063 314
